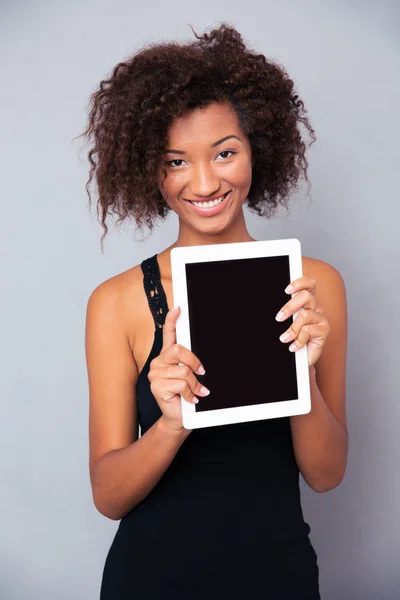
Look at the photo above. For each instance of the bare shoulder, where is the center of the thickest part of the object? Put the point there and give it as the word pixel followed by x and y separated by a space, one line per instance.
pixel 112 370
pixel 330 292
pixel 315 268
pixel 121 298
pixel 330 289
pixel 331 366
pixel 119 288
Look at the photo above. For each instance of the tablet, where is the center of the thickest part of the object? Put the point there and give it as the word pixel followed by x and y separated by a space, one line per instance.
pixel 229 295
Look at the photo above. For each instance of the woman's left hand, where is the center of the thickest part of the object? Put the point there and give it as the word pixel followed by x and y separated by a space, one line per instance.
pixel 311 325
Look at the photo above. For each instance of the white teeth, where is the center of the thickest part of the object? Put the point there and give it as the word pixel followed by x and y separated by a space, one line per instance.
pixel 209 204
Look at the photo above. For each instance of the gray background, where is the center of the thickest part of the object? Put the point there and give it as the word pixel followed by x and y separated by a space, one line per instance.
pixel 344 60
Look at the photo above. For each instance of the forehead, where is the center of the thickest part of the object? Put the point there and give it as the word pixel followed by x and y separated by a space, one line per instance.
pixel 204 124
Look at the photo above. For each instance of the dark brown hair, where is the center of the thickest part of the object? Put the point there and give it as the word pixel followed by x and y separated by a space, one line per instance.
pixel 130 113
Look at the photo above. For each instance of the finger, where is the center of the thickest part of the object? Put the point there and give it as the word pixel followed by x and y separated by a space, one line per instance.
pixel 169 328
pixel 173 353
pixel 316 333
pixel 304 299
pixel 301 283
pixel 184 372
pixel 179 354
pixel 174 387
pixel 305 316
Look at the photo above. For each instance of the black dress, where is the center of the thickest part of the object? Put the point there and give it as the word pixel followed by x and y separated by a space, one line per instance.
pixel 241 482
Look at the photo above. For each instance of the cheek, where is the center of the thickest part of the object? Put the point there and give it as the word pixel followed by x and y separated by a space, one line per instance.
pixel 172 183
pixel 171 187
pixel 240 175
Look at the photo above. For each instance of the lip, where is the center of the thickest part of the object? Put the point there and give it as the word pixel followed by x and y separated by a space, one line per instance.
pixel 209 212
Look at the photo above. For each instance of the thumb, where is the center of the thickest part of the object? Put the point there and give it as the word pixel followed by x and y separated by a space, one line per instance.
pixel 169 329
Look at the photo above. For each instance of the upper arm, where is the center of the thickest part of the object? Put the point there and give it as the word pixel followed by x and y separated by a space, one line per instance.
pixel 112 374
pixel 331 365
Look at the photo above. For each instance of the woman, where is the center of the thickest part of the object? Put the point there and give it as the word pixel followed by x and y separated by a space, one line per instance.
pixel 176 126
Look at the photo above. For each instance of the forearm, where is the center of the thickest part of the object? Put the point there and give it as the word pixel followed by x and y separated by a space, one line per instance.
pixel 124 477
pixel 320 443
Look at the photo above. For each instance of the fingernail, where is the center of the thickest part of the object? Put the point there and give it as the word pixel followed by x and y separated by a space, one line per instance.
pixel 289 289
pixel 174 309
pixel 280 315
pixel 204 390
pixel 201 370
pixel 195 400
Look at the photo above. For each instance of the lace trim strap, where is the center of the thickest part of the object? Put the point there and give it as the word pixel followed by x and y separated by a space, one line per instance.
pixel 154 290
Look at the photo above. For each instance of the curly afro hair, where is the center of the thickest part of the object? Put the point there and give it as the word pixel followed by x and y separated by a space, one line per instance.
pixel 130 113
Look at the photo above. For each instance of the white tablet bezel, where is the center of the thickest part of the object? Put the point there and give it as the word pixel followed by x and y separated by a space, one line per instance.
pixel 182 255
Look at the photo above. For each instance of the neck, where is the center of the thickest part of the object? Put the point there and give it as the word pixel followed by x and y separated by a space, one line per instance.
pixel 190 237
pixel 237 232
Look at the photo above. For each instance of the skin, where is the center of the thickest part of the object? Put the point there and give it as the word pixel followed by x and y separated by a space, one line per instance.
pixel 119 339
pixel 204 172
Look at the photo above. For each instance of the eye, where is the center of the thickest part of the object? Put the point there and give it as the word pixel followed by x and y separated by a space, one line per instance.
pixel 175 160
pixel 226 152
pixel 173 163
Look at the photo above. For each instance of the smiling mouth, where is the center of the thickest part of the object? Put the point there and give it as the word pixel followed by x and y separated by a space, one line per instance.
pixel 209 203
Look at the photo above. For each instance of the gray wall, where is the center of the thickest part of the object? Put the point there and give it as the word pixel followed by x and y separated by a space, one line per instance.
pixel 344 60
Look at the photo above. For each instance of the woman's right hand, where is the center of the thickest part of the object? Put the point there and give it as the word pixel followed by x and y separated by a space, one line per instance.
pixel 169 380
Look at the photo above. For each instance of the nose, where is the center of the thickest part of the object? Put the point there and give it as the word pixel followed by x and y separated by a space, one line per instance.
pixel 204 181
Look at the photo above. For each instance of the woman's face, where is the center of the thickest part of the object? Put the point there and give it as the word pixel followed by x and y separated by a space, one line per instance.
pixel 208 156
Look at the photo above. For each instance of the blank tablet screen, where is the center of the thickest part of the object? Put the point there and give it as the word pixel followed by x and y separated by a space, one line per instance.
pixel 232 307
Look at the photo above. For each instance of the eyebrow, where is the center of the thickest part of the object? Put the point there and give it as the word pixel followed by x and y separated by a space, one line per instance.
pixel 217 143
